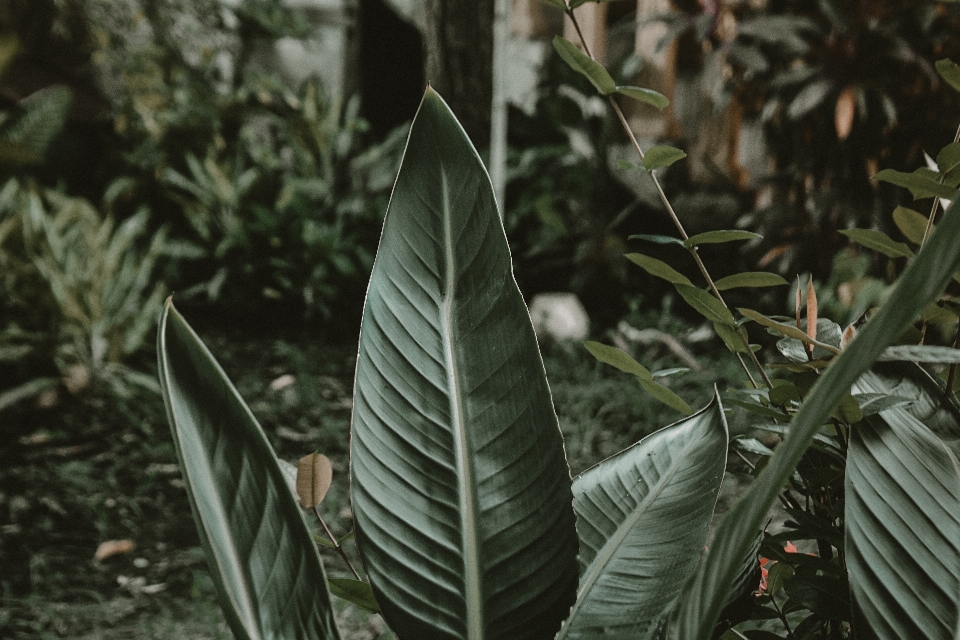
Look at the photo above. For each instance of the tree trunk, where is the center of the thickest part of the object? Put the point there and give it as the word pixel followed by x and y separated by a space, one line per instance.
pixel 459 52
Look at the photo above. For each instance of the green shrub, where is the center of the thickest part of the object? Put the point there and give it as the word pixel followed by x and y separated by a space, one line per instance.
pixel 466 520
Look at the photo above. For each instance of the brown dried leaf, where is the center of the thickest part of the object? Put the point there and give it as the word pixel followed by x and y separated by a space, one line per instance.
pixel 314 476
pixel 113 548
pixel 845 110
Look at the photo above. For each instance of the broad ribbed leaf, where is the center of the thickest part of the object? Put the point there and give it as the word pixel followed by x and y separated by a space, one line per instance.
pixel 460 487
pixel 903 528
pixel 262 559
pixel 921 283
pixel 643 516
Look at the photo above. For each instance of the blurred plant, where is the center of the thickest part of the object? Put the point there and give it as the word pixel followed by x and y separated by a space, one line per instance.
pixel 564 208
pixel 842 88
pixel 860 434
pixel 81 277
pixel 298 223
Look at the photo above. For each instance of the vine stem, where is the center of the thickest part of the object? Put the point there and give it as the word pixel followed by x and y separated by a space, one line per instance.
pixel 675 218
pixel 336 545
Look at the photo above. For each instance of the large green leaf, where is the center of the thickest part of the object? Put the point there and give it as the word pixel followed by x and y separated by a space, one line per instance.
pixel 460 486
pixel 903 528
pixel 643 517
pixel 262 559
pixel 921 283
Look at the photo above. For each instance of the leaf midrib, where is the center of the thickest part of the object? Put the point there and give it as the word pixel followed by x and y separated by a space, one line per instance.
pixel 602 560
pixel 465 472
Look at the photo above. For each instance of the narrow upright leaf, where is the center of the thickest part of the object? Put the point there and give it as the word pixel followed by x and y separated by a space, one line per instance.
pixel 580 62
pixel 643 517
pixel 262 559
pixel 459 484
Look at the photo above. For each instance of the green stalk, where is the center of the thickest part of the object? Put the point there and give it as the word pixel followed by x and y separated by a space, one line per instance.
pixel 673 215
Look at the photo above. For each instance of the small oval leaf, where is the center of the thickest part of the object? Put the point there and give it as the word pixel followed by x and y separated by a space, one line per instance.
pixel 658 268
pixel 617 358
pixel 921 186
pixel 355 591
pixel 314 476
pixel 649 96
pixel 661 156
pixel 666 396
pixel 707 305
pixel 878 241
pixel 584 64
pixel 750 279
pixel 656 239
pixel 950 72
pixel 912 224
pixel 718 237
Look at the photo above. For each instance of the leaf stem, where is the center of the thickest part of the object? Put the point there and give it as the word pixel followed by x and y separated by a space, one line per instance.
pixel 336 545
pixel 673 214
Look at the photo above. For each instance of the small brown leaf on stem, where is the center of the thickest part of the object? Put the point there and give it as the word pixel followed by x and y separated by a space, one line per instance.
pixel 845 110
pixel 314 475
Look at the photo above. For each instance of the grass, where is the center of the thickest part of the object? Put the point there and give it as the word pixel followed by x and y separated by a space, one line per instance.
pixel 101 467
